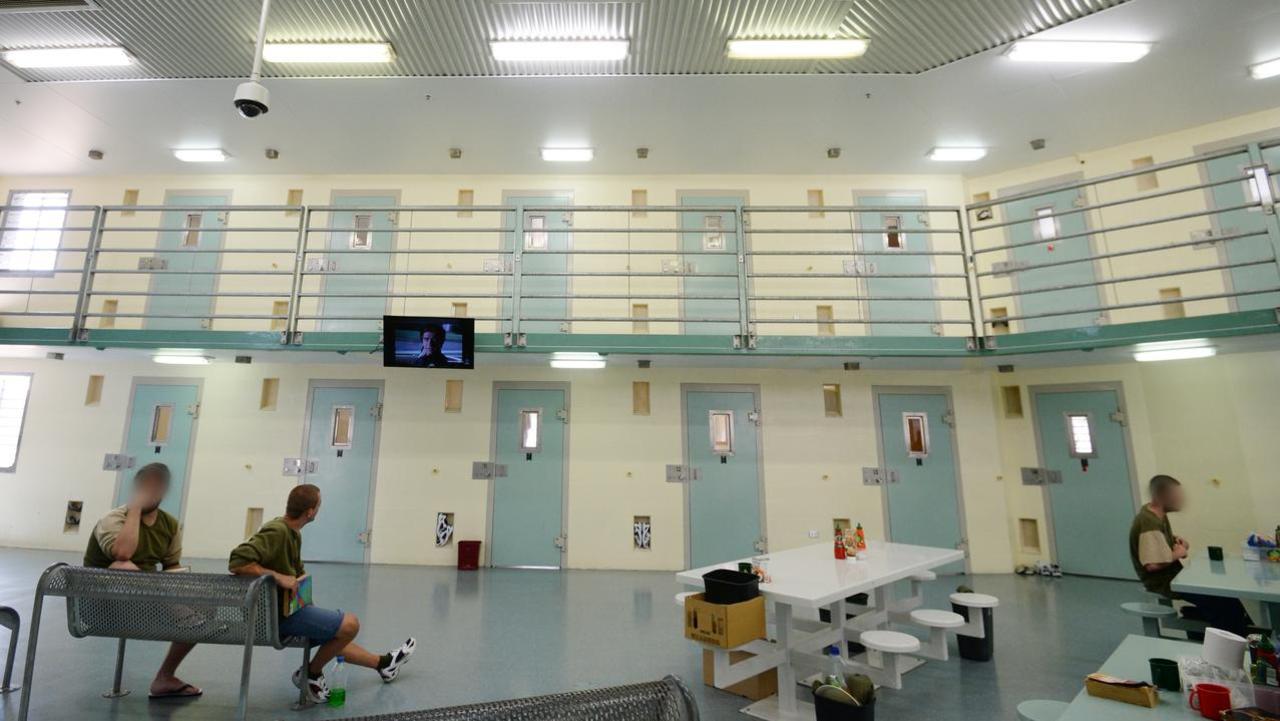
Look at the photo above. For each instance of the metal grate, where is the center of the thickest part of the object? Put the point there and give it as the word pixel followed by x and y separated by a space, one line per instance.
pixel 665 700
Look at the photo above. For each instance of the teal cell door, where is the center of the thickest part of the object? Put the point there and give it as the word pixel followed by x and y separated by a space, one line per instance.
pixel 187 248
pixel 358 243
pixel 1091 508
pixel 722 442
pixel 527 523
pixel 710 238
pixel 1062 240
pixel 160 429
pixel 1261 273
pixel 543 241
pixel 341 449
pixel 916 441
pixel 897 237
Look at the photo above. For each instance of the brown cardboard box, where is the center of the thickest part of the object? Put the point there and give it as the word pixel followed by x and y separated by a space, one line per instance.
pixel 754 688
pixel 726 626
pixel 1138 693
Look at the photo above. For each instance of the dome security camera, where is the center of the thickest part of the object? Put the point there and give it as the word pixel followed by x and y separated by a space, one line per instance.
pixel 251 99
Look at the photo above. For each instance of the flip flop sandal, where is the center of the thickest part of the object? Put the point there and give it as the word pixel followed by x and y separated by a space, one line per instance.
pixel 182 691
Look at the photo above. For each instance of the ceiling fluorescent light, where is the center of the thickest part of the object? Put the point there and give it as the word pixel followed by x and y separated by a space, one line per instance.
pixel 182 360
pixel 1077 51
pixel 559 50
pixel 200 155
pixel 1174 350
pixel 797 49
pixel 328 53
pixel 577 360
pixel 957 155
pixel 97 57
pixel 1264 70
pixel 568 155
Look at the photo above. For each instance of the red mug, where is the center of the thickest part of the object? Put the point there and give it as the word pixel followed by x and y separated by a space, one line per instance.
pixel 1210 699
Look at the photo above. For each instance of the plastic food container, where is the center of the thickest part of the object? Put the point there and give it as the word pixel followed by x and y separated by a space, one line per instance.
pixel 726 586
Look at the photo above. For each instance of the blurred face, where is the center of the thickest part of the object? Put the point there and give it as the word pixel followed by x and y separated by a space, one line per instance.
pixel 152 487
pixel 1173 499
pixel 432 342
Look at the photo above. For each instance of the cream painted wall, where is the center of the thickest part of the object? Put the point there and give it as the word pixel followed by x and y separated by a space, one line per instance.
pixel 812 464
pixel 1209 423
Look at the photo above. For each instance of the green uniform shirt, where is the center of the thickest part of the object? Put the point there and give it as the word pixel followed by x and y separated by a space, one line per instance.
pixel 158 544
pixel 275 547
pixel 1151 540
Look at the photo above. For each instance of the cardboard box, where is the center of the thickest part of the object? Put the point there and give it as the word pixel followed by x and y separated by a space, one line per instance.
pixel 1138 693
pixel 726 626
pixel 754 688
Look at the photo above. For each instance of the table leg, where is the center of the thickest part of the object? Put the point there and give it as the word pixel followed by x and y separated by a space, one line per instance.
pixel 1271 616
pixel 786 674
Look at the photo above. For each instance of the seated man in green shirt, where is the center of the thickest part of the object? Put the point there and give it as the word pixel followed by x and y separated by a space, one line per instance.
pixel 276 551
pixel 138 536
pixel 1157 557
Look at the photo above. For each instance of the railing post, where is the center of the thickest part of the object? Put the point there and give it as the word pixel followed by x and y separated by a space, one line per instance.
pixel 971 279
pixel 1270 218
pixel 517 275
pixel 299 263
pixel 79 322
pixel 744 304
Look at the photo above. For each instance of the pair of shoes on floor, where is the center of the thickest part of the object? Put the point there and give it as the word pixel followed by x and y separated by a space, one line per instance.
pixel 316 690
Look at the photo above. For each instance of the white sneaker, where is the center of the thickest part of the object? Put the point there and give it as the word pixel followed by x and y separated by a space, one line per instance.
pixel 398 658
pixel 316 689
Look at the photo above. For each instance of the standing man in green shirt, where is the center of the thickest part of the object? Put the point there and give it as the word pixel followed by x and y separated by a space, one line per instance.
pixel 1157 556
pixel 276 551
pixel 138 536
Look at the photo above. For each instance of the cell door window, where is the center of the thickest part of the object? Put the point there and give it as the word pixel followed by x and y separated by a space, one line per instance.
pixel 32 231
pixel 915 431
pixel 721 423
pixel 536 237
pixel 1046 224
pixel 161 424
pixel 362 232
pixel 343 434
pixel 530 430
pixel 1080 436
pixel 713 232
pixel 191 230
pixel 893 232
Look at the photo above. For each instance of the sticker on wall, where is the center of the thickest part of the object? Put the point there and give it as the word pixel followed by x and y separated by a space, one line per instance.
pixel 642 532
pixel 444 529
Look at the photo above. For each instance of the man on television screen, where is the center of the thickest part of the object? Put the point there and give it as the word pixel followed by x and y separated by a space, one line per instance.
pixel 431 353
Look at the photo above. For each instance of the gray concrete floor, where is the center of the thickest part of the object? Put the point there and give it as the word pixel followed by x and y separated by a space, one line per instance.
pixel 497 634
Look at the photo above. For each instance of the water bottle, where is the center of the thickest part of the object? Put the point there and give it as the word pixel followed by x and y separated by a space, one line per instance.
pixel 836 677
pixel 338 683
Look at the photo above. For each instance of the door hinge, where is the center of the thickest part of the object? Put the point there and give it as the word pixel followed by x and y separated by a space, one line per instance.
pixel 562 542
pixel 563 414
pixel 762 545
pixel 1119 417
pixel 949 417
pixel 193 410
pixel 365 538
pixel 376 411
pixel 754 417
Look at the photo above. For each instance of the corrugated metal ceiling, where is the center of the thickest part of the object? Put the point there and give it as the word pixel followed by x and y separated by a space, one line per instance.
pixel 214 38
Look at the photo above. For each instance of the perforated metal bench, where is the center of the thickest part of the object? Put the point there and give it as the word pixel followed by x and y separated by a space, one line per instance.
pixel 665 700
pixel 202 608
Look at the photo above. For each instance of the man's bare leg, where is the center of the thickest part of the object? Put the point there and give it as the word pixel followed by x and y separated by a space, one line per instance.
pixel 165 681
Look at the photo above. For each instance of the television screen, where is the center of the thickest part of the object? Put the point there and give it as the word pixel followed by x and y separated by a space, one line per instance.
pixel 417 342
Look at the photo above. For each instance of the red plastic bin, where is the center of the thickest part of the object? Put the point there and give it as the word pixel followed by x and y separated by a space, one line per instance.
pixel 468 555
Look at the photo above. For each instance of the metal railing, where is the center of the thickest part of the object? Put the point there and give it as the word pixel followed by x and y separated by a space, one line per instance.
pixel 1195 236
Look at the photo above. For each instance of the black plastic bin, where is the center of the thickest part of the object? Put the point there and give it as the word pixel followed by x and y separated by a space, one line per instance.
pixel 726 586
pixel 828 710
pixel 977 649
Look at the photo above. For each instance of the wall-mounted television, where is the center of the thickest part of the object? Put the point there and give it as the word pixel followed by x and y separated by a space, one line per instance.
pixel 425 342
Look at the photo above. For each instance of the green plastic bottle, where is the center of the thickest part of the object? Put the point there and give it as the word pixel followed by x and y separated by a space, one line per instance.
pixel 338 684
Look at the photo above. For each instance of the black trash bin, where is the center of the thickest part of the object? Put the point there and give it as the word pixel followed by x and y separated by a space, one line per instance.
pixel 828 710
pixel 977 649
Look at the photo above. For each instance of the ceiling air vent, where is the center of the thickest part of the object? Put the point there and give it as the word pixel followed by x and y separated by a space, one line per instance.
pixel 37 6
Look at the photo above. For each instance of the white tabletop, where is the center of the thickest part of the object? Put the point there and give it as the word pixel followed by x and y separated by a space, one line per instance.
pixel 1131 660
pixel 1233 577
pixel 811 576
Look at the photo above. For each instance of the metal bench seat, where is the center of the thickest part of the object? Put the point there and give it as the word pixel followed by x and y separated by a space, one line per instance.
pixel 202 608
pixel 665 700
